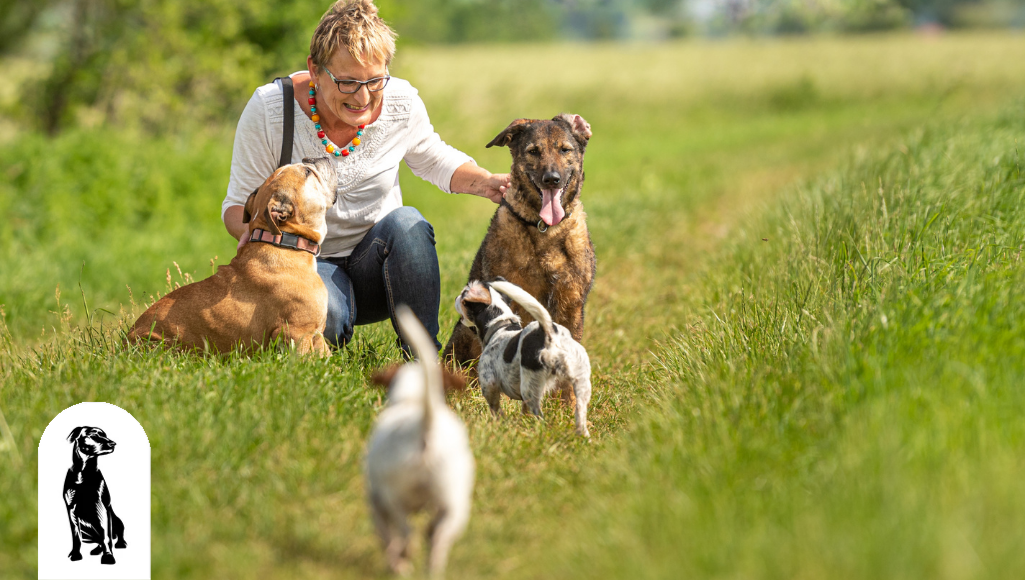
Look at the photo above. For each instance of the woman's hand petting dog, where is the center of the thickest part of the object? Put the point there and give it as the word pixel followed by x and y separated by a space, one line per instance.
pixel 478 181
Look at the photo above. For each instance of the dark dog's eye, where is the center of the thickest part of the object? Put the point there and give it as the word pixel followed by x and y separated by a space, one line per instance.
pixel 533 151
pixel 566 149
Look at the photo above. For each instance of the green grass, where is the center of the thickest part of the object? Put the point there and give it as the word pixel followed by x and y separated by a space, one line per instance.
pixel 845 400
pixel 836 401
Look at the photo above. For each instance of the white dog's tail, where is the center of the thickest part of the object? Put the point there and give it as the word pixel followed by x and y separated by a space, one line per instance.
pixel 427 355
pixel 528 302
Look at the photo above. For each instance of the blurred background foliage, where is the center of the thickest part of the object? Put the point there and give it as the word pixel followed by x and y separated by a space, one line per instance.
pixel 171 65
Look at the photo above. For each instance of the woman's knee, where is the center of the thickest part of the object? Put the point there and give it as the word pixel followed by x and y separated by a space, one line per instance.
pixel 340 306
pixel 407 227
pixel 338 328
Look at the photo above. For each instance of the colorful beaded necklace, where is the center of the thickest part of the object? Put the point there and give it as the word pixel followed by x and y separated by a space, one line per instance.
pixel 330 147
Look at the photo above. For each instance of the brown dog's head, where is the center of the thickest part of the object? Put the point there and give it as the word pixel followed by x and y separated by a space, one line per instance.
pixel 296 198
pixel 548 162
pixel 91 441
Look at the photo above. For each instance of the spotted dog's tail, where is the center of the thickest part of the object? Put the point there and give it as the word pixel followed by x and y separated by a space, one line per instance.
pixel 528 302
pixel 427 355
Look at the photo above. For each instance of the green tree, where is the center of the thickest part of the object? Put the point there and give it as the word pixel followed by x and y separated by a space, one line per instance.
pixel 18 18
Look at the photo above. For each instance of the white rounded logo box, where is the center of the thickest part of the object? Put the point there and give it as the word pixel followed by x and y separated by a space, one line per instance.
pixel 94 496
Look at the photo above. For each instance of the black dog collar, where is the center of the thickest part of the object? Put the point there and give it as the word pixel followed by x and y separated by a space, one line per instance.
pixel 496 327
pixel 541 225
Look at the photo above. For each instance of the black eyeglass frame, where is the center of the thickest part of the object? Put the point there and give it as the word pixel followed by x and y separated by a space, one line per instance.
pixel 360 84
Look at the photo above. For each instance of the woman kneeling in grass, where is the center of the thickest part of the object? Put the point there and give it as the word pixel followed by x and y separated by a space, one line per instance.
pixel 377 253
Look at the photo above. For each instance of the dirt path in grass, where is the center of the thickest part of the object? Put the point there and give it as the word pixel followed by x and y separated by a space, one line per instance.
pixel 642 295
pixel 645 294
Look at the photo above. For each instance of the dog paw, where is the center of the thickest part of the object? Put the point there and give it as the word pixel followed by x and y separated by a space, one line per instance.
pixel 121 544
pixel 96 551
pixel 107 559
pixel 75 556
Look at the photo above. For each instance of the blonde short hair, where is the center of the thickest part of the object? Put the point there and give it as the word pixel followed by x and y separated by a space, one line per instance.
pixel 355 25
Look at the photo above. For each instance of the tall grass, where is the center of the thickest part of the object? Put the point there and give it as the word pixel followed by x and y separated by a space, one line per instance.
pixel 846 399
pixel 104 211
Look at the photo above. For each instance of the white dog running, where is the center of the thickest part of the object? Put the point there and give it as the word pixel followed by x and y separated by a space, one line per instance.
pixel 526 364
pixel 419 457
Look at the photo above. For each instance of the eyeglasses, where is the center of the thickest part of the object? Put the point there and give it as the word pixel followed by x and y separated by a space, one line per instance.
pixel 348 87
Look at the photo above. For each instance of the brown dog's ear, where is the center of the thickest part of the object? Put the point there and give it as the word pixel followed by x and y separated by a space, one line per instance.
pixel 383 377
pixel 247 209
pixel 272 225
pixel 76 433
pixel 506 136
pixel 581 128
pixel 280 212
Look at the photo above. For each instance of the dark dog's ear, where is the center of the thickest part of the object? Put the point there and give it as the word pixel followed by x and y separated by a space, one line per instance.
pixel 76 433
pixel 581 128
pixel 248 208
pixel 383 377
pixel 509 133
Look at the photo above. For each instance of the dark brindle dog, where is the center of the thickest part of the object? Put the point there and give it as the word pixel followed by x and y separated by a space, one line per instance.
pixel 88 499
pixel 538 237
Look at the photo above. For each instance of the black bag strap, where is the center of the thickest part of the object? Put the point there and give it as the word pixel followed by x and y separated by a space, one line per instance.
pixel 288 124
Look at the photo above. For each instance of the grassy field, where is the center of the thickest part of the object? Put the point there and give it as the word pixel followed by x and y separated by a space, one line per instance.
pixel 803 329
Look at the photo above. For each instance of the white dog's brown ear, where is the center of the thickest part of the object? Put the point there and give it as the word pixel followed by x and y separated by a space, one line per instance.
pixel 477 292
pixel 504 138
pixel 249 207
pixel 383 377
pixel 581 128
pixel 453 381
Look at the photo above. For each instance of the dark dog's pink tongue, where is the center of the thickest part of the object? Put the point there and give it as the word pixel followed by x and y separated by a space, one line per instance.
pixel 551 206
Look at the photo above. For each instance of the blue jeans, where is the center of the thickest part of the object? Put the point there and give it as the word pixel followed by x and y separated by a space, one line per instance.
pixel 395 263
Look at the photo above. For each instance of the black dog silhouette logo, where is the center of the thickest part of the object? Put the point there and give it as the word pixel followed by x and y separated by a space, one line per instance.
pixel 103 495
pixel 87 497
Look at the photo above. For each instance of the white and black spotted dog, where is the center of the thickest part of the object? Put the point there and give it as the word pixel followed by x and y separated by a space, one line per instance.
pixel 524 363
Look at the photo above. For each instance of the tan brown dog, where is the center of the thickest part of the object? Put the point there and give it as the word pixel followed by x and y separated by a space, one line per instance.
pixel 269 290
pixel 538 237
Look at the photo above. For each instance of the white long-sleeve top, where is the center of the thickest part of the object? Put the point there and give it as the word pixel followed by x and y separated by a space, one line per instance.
pixel 368 179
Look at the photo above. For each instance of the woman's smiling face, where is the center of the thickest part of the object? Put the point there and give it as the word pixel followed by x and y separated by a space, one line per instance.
pixel 352 109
